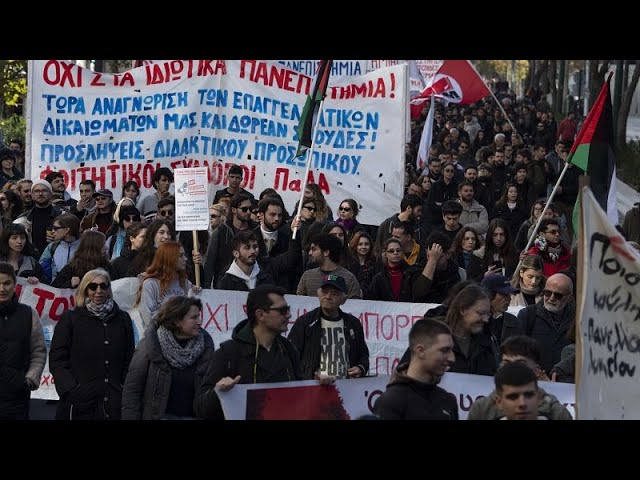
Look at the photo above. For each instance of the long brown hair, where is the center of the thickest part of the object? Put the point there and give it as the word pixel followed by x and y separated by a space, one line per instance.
pixel 90 254
pixel 163 268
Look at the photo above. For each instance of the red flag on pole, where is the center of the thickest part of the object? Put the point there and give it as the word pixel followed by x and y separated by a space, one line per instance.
pixel 457 82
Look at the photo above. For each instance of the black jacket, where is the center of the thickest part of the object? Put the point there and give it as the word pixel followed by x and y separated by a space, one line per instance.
pixel 538 323
pixel 239 356
pixel 381 290
pixel 483 359
pixel 306 336
pixel 149 379
pixel 231 282
pixel 409 399
pixel 89 360
pixel 15 356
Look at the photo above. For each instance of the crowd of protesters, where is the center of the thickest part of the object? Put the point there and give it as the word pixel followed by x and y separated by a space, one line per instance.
pixel 462 228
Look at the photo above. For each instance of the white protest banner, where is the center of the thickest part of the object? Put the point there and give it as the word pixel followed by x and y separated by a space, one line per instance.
pixel 608 386
pixel 339 68
pixel 428 69
pixel 351 399
pixel 215 113
pixel 192 200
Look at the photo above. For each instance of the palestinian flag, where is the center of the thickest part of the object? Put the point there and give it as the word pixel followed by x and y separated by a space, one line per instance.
pixel 311 106
pixel 593 153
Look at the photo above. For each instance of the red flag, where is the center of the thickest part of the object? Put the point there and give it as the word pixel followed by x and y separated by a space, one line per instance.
pixel 466 85
pixel 457 82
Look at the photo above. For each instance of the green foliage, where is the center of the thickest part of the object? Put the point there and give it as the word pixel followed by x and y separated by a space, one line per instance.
pixel 628 164
pixel 501 69
pixel 13 81
pixel 14 126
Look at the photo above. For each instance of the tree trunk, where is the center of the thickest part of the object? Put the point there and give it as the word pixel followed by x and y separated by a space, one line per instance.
pixel 551 78
pixel 625 106
pixel 542 82
pixel 597 70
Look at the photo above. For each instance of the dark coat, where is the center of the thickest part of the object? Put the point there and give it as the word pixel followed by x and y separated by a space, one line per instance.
pixel 306 336
pixel 148 384
pixel 231 282
pixel 409 399
pixel 538 323
pixel 241 356
pixel 89 360
pixel 436 290
pixel 381 284
pixel 15 356
pixel 483 359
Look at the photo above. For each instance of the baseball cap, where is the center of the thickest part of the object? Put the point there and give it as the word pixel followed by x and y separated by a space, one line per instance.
pixel 335 281
pixel 102 193
pixel 499 283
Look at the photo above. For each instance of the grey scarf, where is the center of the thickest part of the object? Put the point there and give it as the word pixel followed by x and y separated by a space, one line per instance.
pixel 177 356
pixel 100 311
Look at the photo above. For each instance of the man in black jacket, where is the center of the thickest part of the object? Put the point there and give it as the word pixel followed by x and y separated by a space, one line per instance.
pixel 331 342
pixel 256 353
pixel 413 393
pixel 22 350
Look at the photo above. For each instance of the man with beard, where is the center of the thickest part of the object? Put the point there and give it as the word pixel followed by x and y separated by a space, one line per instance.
pixel 42 215
pixel 244 274
pixel 410 211
pixel 413 393
pixel 256 353
pixel 473 214
pixel 501 323
pixel 60 197
pixel 549 320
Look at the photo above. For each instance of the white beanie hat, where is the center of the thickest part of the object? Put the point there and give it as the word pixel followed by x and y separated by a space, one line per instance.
pixel 41 182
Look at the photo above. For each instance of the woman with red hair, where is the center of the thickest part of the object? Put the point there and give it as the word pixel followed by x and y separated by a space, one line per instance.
pixel 166 277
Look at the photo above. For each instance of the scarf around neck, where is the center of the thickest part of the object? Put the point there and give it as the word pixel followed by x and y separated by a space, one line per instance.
pixel 180 357
pixel 100 311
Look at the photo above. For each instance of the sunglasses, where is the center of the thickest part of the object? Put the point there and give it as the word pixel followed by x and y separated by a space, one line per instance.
pixel 311 209
pixel 345 209
pixel 549 294
pixel 215 216
pixel 94 286
pixel 281 310
pixel 132 218
pixel 394 250
pixel 166 213
pixel 244 209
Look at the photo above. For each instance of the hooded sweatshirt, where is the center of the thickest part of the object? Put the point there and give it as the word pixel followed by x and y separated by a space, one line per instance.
pixel 250 280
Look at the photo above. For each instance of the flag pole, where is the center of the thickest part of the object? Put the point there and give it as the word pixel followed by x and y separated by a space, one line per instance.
pixel 544 210
pixel 494 97
pixel 309 159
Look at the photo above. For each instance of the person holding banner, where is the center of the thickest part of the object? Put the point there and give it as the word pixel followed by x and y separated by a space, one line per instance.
pixel 413 393
pixel 331 342
pixel 168 364
pixel 90 352
pixel 256 353
pixel 23 353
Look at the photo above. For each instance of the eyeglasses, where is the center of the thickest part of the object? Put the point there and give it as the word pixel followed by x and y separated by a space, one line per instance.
pixel 345 209
pixel 397 250
pixel 166 213
pixel 553 232
pixel 244 209
pixel 94 286
pixel 549 294
pixel 311 209
pixel 281 310
pixel 132 218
